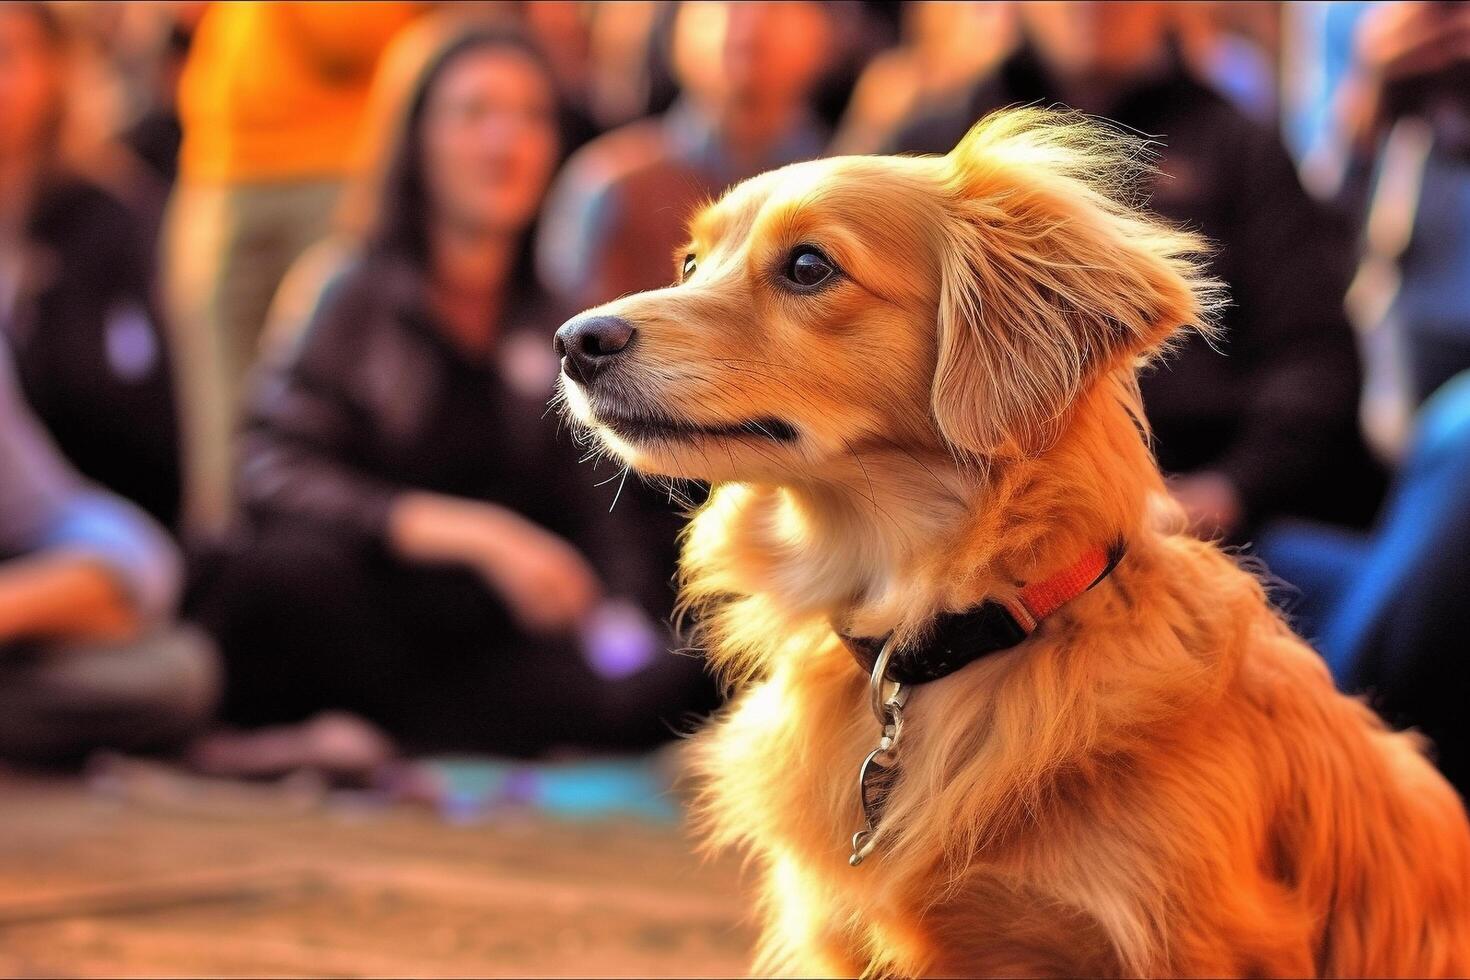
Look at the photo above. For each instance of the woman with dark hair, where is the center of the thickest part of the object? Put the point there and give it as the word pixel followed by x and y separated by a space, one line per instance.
pixel 421 548
pixel 76 278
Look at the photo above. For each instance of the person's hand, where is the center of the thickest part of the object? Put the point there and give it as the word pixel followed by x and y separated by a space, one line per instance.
pixel 63 595
pixel 1400 43
pixel 547 584
pixel 1412 39
pixel 1211 503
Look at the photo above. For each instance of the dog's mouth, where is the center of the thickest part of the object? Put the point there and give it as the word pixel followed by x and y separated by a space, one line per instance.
pixel 648 428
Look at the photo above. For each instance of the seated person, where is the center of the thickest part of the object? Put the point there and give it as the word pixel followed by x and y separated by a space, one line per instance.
pixel 620 206
pixel 421 549
pixel 1387 136
pixel 1388 609
pixel 946 46
pixel 89 655
pixel 76 286
pixel 1262 421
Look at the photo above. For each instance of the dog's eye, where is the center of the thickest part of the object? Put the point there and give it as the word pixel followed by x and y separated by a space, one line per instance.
pixel 689 266
pixel 809 267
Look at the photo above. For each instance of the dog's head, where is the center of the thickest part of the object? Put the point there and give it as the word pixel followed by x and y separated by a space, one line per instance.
pixel 958 304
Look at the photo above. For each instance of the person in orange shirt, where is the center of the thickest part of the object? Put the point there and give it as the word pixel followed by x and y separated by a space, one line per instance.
pixel 271 99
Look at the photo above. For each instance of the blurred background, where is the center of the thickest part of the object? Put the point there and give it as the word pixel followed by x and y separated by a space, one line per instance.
pixel 322 650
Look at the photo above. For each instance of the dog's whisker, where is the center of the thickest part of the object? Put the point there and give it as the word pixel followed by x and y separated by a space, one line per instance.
pixel 619 494
pixel 603 483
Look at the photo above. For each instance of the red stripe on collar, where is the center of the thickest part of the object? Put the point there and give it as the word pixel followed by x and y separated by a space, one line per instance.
pixel 1043 598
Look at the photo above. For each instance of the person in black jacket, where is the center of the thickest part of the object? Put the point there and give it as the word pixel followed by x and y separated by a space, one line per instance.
pixel 1262 422
pixel 76 286
pixel 422 547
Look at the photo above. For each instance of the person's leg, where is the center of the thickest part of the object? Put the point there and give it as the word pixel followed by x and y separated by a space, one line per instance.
pixel 485 685
pixel 1428 496
pixel 309 623
pixel 196 230
pixel 1415 668
pixel 666 699
pixel 1316 564
pixel 1435 357
pixel 308 658
pixel 541 697
pixel 305 623
pixel 1409 653
pixel 272 225
pixel 59 702
pixel 227 249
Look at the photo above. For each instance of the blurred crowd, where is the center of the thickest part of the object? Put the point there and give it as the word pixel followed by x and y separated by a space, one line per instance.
pixel 278 280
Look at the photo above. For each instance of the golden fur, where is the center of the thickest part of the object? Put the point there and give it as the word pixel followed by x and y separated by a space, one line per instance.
pixel 1162 780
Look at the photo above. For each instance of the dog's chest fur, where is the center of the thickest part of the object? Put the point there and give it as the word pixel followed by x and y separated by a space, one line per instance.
pixel 783 785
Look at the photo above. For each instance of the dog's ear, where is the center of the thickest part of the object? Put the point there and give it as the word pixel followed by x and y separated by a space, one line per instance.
pixel 1050 277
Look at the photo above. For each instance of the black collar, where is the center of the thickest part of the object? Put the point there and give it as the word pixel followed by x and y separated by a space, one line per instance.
pixel 956 640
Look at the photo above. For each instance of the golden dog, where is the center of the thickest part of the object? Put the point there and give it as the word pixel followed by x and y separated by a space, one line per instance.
pixel 911 384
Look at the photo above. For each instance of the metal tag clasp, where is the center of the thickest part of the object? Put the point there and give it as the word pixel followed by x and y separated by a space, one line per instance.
pixel 879 770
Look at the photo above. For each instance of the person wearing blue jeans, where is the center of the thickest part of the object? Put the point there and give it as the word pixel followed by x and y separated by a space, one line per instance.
pixel 1390 610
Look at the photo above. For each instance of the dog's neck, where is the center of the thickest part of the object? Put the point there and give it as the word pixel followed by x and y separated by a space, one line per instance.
pixel 902 536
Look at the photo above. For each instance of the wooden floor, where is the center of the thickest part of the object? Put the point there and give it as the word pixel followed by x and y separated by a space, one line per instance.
pixel 93 884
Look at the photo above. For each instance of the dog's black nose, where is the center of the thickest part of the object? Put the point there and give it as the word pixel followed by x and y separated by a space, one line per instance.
pixel 588 344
